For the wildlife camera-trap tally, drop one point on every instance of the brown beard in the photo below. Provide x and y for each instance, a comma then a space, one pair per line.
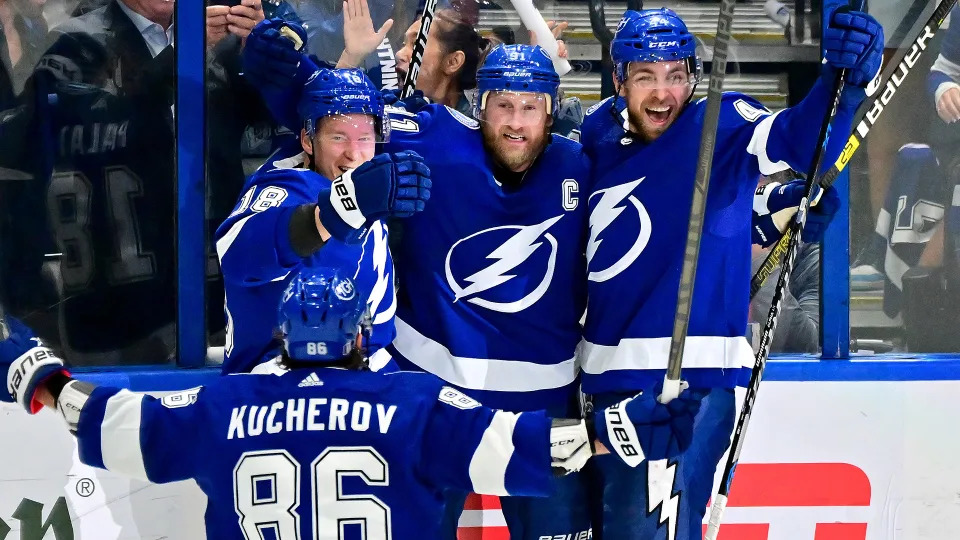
493, 142
637, 127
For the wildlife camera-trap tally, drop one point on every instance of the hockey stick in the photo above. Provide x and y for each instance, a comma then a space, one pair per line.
708, 139
531, 18
426, 20
760, 361
867, 115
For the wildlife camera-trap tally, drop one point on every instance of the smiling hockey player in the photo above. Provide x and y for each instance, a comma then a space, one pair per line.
644, 143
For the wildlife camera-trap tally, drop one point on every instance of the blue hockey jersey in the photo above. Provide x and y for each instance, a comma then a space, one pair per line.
491, 282
257, 260
319, 453
639, 211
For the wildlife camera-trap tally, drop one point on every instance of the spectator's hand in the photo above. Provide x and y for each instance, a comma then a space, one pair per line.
243, 17
557, 30
216, 24
359, 38
25, 363
949, 105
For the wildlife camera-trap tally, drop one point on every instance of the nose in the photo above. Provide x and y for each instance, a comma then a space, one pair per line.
661, 93
403, 56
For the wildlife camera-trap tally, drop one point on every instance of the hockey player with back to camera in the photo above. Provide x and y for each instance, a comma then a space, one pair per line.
644, 142
323, 204
326, 437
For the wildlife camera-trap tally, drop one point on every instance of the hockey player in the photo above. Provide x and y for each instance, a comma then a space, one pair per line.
291, 215
643, 142
328, 447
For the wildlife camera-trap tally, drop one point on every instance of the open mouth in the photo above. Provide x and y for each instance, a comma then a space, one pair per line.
510, 137
344, 169
659, 115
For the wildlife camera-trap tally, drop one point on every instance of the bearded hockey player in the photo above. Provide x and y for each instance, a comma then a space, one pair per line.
643, 142
327, 449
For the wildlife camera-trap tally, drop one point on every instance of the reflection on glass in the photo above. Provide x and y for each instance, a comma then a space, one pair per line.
88, 235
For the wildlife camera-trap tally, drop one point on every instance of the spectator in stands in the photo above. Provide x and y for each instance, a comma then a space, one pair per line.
23, 35
454, 50
798, 328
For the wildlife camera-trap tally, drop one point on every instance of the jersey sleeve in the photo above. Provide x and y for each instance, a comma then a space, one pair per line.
432, 127
254, 242
144, 437
945, 72
470, 447
770, 143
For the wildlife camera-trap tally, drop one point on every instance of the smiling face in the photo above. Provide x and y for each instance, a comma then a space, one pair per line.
515, 127
341, 143
656, 93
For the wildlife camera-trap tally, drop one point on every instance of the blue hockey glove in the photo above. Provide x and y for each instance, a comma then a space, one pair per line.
775, 205
416, 101
395, 185
821, 215
641, 427
854, 40
27, 362
277, 69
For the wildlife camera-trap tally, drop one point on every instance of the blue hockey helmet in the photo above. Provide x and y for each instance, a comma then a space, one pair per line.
320, 315
330, 92
517, 68
654, 35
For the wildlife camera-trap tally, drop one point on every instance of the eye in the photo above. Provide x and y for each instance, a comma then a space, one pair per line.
677, 78
338, 138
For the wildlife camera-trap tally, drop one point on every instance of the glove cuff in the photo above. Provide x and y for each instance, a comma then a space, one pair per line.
619, 434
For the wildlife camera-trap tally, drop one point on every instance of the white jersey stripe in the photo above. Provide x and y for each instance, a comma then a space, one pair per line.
120, 435
758, 146
224, 243
480, 373
652, 353
488, 468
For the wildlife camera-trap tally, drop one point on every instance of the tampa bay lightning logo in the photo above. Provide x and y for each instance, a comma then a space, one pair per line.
344, 290
481, 268
616, 202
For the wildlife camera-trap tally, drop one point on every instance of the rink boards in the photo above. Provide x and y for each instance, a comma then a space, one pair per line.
836, 450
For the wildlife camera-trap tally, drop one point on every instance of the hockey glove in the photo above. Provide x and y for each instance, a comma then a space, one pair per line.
413, 103
275, 67
775, 205
853, 40
27, 363
395, 185
641, 427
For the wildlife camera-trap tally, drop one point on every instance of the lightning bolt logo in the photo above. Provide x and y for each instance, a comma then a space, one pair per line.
506, 257
661, 475
381, 250
603, 214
